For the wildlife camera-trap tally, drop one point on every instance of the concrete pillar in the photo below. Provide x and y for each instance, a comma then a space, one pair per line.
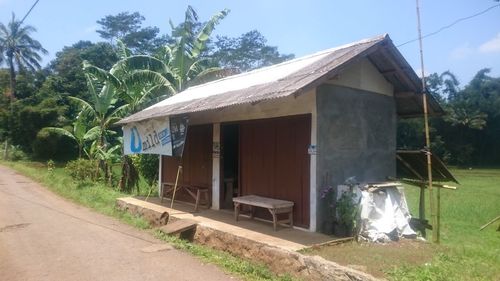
312, 171
216, 167
159, 174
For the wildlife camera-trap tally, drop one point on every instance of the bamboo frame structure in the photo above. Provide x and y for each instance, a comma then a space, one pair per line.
434, 213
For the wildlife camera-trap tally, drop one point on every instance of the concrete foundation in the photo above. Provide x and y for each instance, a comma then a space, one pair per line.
215, 230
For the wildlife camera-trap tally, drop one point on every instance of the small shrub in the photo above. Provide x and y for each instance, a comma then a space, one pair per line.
82, 169
16, 154
50, 166
147, 165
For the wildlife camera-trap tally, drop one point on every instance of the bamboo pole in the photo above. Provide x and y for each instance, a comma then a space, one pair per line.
435, 220
421, 209
490, 222
175, 186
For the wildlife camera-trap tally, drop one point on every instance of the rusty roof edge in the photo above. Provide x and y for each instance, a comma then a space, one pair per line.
143, 115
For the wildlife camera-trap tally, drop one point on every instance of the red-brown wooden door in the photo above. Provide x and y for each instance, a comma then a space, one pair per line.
274, 161
196, 161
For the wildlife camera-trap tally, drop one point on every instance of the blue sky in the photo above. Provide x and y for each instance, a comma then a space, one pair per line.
299, 27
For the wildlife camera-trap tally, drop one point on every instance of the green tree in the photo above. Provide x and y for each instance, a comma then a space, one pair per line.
135, 87
247, 52
127, 27
20, 50
80, 133
468, 133
180, 63
27, 119
183, 58
102, 108
66, 74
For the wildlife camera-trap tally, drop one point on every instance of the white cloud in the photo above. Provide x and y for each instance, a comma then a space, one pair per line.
491, 46
462, 52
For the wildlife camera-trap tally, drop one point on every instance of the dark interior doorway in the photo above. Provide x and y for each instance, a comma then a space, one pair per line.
230, 164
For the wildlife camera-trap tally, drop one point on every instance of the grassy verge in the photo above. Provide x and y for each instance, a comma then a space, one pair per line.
102, 199
242, 268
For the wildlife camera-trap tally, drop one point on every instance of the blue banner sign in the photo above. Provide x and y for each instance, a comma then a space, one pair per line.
148, 137
164, 136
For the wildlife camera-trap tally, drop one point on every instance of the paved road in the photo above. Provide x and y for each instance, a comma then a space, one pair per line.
45, 237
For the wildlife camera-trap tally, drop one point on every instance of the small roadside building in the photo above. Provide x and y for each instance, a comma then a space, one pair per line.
289, 130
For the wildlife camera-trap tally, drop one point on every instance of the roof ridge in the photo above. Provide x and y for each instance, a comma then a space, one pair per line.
362, 41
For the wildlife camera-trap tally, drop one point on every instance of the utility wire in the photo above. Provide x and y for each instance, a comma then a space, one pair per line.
450, 25
33, 6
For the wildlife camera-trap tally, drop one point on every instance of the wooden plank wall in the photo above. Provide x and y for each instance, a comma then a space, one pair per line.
196, 161
274, 161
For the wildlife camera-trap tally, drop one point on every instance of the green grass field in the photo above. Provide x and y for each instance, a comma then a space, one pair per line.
468, 254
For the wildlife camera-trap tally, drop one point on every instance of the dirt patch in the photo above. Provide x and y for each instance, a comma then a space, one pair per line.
376, 259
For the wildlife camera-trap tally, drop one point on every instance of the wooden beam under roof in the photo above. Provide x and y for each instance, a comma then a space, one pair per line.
398, 69
405, 94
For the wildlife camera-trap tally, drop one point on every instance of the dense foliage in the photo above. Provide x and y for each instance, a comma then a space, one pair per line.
469, 132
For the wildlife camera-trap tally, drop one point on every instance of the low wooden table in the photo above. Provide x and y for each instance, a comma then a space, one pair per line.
275, 207
194, 191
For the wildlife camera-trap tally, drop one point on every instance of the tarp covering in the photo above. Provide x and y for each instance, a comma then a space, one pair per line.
384, 215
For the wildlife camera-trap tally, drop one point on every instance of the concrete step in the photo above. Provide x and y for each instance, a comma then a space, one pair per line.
178, 226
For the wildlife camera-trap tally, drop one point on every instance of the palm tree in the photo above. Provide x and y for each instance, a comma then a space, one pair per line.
18, 49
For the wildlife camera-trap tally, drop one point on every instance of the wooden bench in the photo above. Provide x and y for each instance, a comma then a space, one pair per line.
194, 191
274, 206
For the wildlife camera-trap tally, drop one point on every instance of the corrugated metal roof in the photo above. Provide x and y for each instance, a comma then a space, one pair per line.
277, 81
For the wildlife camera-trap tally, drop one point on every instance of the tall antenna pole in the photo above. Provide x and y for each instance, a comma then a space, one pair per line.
435, 219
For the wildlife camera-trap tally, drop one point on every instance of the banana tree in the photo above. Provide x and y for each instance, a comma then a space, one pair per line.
184, 57
180, 63
134, 88
80, 133
109, 157
102, 109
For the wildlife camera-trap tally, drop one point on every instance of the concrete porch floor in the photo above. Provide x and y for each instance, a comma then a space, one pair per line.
291, 239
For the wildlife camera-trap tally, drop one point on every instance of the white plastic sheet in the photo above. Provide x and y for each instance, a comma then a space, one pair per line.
384, 214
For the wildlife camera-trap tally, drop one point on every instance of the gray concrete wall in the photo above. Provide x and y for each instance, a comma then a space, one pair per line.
356, 137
